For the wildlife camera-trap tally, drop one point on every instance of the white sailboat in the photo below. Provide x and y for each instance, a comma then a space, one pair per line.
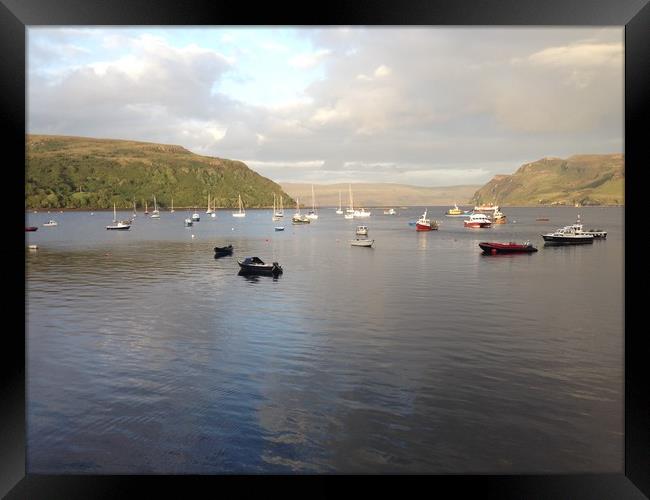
118, 225
146, 211
299, 218
275, 214
214, 210
172, 210
241, 212
340, 210
312, 213
156, 213
135, 214
279, 213
208, 211
349, 212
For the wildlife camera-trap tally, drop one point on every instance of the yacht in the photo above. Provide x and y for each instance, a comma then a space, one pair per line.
51, 223
312, 213
156, 213
299, 218
241, 212
340, 210
118, 225
362, 212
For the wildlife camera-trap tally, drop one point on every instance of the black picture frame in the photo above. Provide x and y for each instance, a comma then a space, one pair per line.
17, 15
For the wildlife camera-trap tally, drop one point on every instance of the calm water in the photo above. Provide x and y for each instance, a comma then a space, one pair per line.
420, 355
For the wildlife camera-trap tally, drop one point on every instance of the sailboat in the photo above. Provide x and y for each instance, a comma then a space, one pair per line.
208, 211
146, 212
340, 210
156, 213
172, 210
121, 225
312, 213
135, 214
349, 212
275, 213
279, 213
241, 212
299, 218
214, 210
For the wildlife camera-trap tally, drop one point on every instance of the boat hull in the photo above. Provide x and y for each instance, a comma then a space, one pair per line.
115, 228
423, 227
31, 228
361, 243
501, 248
478, 225
567, 240
272, 269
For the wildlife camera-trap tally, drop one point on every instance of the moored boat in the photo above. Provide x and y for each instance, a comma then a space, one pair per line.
567, 236
31, 228
51, 223
279, 228
361, 242
596, 233
221, 251
255, 265
478, 221
196, 217
362, 230
425, 224
510, 247
390, 211
499, 217
299, 218
455, 212
189, 222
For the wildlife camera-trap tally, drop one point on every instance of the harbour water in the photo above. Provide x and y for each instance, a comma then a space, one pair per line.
145, 354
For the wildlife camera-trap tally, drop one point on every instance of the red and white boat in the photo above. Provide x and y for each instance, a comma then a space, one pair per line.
424, 224
493, 248
478, 220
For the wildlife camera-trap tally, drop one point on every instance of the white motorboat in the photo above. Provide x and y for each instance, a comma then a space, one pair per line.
188, 222
478, 221
361, 242
196, 217
567, 236
51, 223
362, 230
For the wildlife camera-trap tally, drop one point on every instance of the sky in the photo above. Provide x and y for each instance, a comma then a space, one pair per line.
428, 106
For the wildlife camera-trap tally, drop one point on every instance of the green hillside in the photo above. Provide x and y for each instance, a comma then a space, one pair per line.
79, 172
583, 179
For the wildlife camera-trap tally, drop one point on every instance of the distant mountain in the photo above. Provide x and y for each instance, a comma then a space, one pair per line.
579, 179
379, 194
82, 172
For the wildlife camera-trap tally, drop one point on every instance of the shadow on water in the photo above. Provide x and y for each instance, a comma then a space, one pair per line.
256, 277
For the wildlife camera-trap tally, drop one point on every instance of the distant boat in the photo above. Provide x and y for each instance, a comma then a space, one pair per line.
567, 236
361, 242
146, 212
499, 217
478, 221
312, 213
279, 228
51, 223
222, 251
362, 212
390, 211
542, 219
118, 225
340, 210
362, 230
156, 213
241, 212
349, 212
135, 213
172, 209
31, 228
299, 218
188, 222
255, 265
196, 217
209, 211
511, 247
279, 213
489, 208
425, 224
455, 212
275, 216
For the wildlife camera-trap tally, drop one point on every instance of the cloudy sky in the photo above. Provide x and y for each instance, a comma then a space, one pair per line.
426, 106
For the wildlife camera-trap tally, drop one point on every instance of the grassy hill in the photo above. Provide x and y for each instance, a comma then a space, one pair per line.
379, 194
80, 172
583, 179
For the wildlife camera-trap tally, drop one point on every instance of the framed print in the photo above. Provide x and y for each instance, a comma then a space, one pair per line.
474, 329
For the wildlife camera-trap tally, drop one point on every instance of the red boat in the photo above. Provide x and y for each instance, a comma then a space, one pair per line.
424, 224
31, 228
511, 247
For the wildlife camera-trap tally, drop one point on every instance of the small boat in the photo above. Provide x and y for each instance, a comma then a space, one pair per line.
278, 214
424, 224
511, 247
156, 213
51, 223
255, 265
172, 209
279, 228
390, 211
340, 210
349, 212
32, 247
499, 217
299, 218
221, 251
122, 225
361, 242
241, 212
146, 211
209, 210
477, 221
542, 219
31, 228
454, 212
362, 212
189, 222
412, 222
196, 217
362, 230
567, 236
312, 213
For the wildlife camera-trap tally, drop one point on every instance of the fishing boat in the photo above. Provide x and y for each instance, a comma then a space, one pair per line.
51, 223
493, 248
340, 210
255, 265
499, 217
209, 210
390, 211
31, 228
122, 225
596, 233
478, 221
241, 212
299, 218
567, 236
425, 224
455, 212
189, 222
156, 213
312, 213
221, 251
361, 242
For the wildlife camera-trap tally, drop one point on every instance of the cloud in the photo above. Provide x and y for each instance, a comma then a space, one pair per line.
308, 60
